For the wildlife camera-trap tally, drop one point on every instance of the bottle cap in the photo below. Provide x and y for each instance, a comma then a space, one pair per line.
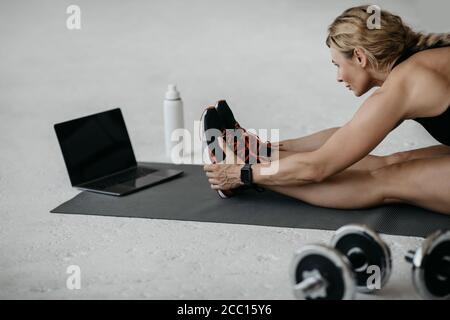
172, 92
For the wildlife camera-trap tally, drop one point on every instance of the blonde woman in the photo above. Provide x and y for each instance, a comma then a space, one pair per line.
333, 168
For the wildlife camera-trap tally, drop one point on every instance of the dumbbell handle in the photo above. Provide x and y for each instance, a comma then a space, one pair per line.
310, 286
409, 257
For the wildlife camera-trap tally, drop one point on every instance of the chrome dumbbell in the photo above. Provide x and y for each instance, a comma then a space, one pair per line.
339, 271
431, 266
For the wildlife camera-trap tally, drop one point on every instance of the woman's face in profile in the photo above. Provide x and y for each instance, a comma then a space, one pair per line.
351, 73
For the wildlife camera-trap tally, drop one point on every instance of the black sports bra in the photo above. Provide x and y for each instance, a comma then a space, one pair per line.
438, 126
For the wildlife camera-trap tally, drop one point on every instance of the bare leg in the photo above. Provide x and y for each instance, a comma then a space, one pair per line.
372, 162
369, 162
423, 182
337, 191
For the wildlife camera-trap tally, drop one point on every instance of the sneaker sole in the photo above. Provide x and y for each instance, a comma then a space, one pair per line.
224, 194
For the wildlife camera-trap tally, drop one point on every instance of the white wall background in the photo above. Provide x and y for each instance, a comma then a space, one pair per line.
267, 58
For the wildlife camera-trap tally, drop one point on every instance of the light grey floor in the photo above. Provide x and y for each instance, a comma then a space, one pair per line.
267, 58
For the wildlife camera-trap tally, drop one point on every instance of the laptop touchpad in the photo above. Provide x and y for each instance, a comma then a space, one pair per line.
142, 181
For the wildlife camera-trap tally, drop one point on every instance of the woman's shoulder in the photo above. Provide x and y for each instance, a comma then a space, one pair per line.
424, 84
431, 62
432, 57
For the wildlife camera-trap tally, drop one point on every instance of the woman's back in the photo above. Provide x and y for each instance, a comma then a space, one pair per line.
434, 64
437, 60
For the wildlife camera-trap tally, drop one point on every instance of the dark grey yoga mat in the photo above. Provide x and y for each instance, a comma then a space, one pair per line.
190, 198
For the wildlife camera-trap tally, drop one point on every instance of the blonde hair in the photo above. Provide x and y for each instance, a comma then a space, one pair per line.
393, 42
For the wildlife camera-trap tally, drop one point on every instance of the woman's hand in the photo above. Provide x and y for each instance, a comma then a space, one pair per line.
223, 176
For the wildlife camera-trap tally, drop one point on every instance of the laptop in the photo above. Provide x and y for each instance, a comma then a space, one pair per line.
99, 157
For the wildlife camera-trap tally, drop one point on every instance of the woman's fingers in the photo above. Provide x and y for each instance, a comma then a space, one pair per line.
210, 174
277, 146
210, 167
213, 181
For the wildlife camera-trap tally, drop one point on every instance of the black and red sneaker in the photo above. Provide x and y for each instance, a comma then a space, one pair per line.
226, 115
246, 145
213, 130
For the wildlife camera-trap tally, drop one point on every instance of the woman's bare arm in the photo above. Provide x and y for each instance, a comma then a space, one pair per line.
307, 143
378, 115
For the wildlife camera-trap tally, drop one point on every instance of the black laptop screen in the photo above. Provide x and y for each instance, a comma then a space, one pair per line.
95, 146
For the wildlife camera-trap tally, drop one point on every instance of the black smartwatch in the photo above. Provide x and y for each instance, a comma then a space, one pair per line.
246, 174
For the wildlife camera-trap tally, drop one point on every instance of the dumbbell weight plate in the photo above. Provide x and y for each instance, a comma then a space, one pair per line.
332, 266
431, 266
363, 247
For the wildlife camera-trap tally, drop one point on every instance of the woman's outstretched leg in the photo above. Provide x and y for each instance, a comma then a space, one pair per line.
369, 162
422, 182
349, 189
340, 190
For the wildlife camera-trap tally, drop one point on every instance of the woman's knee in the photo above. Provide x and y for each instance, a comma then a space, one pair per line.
423, 182
384, 180
370, 162
390, 172
397, 157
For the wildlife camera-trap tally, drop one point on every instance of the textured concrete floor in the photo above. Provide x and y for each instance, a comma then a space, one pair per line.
268, 59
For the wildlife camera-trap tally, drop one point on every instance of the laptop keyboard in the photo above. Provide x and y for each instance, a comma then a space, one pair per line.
121, 177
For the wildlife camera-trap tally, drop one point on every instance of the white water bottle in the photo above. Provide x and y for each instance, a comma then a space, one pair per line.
173, 116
